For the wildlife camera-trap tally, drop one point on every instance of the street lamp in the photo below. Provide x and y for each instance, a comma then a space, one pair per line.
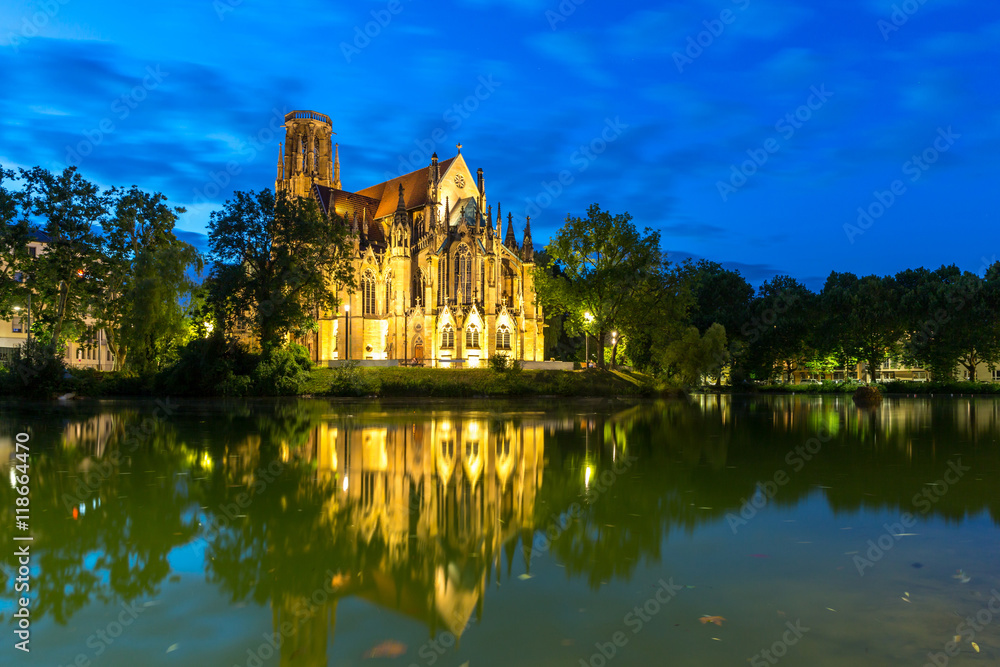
347, 332
586, 335
614, 341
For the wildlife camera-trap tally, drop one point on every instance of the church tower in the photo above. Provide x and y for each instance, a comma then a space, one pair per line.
307, 156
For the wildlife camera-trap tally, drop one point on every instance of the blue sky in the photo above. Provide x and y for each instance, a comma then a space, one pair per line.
748, 132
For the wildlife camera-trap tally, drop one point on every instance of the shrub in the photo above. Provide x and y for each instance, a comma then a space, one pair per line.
34, 369
502, 363
282, 371
867, 397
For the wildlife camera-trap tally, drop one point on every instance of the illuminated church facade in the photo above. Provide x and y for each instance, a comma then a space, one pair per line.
436, 283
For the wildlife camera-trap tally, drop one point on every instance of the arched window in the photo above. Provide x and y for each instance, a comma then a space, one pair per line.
503, 337
388, 292
448, 337
472, 337
442, 282
368, 293
463, 275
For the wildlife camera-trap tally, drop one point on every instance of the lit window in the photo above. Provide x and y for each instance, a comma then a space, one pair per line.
503, 337
15, 325
368, 293
472, 337
463, 275
448, 337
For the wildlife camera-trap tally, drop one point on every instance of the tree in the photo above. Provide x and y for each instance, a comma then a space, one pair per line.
865, 315
604, 264
143, 275
952, 319
276, 261
15, 234
721, 296
62, 278
779, 332
693, 355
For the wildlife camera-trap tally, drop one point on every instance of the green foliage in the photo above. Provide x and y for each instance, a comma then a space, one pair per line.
276, 260
864, 317
144, 279
778, 337
34, 369
63, 280
214, 367
503, 363
282, 371
598, 271
693, 356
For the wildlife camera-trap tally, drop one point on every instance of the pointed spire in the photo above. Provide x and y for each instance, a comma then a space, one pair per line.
447, 213
499, 220
489, 217
281, 163
401, 205
336, 166
510, 240
527, 250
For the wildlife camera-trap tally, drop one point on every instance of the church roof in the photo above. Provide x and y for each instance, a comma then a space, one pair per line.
345, 203
414, 190
349, 204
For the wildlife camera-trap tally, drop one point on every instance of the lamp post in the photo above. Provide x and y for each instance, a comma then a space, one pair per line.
586, 335
347, 333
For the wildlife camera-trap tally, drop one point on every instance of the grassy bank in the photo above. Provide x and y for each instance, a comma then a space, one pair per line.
895, 387
395, 382
418, 382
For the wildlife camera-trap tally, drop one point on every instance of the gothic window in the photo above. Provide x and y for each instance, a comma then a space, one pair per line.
302, 152
388, 292
368, 293
448, 337
503, 337
316, 156
472, 337
442, 282
463, 275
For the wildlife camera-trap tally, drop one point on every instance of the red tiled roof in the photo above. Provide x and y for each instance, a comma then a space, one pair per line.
414, 190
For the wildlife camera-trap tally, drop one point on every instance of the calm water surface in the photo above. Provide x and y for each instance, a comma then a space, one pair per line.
700, 532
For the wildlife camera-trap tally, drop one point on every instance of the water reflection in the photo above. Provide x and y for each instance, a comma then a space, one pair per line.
300, 505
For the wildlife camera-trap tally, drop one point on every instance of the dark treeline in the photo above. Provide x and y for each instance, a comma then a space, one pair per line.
602, 279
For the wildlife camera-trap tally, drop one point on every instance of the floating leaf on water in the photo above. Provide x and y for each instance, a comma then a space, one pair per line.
905, 599
957, 639
962, 577
712, 619
831, 609
173, 647
975, 646
390, 648
524, 577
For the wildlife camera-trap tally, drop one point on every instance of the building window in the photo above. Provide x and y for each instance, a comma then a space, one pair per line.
368, 293
79, 353
463, 275
388, 293
442, 282
996, 374
16, 326
32, 251
503, 337
448, 337
472, 337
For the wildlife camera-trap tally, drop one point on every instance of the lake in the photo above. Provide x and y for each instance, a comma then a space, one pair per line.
716, 530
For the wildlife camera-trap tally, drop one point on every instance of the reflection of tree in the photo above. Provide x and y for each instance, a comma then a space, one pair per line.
430, 514
106, 544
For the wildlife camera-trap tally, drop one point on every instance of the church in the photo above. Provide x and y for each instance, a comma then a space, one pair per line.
436, 282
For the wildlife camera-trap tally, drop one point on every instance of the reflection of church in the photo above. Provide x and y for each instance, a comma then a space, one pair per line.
435, 281
444, 497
